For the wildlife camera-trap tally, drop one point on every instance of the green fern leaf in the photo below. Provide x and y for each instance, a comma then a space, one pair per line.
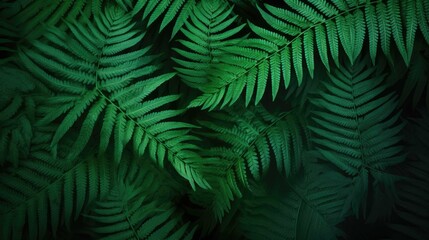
134, 208
261, 79
45, 187
208, 34
384, 28
106, 76
252, 141
178, 10
247, 155
356, 127
73, 115
332, 34
422, 19
297, 60
300, 210
393, 9
309, 52
17, 113
275, 66
295, 26
28, 16
286, 67
411, 28
372, 27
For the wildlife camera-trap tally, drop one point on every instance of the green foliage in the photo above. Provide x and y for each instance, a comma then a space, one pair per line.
417, 77
356, 128
214, 119
299, 210
93, 76
44, 191
17, 112
289, 43
178, 10
249, 140
253, 135
414, 195
137, 207
207, 35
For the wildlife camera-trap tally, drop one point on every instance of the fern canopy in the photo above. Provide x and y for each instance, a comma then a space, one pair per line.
214, 119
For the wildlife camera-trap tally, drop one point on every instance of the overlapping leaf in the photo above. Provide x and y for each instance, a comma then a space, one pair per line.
252, 141
304, 208
99, 77
253, 135
168, 10
297, 32
356, 128
207, 32
17, 110
44, 193
135, 208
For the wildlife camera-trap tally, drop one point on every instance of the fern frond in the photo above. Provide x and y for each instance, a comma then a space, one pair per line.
413, 194
252, 140
217, 201
177, 10
254, 136
356, 127
422, 16
97, 65
135, 208
9, 36
393, 10
301, 209
27, 15
411, 27
207, 32
17, 113
49, 192
347, 24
